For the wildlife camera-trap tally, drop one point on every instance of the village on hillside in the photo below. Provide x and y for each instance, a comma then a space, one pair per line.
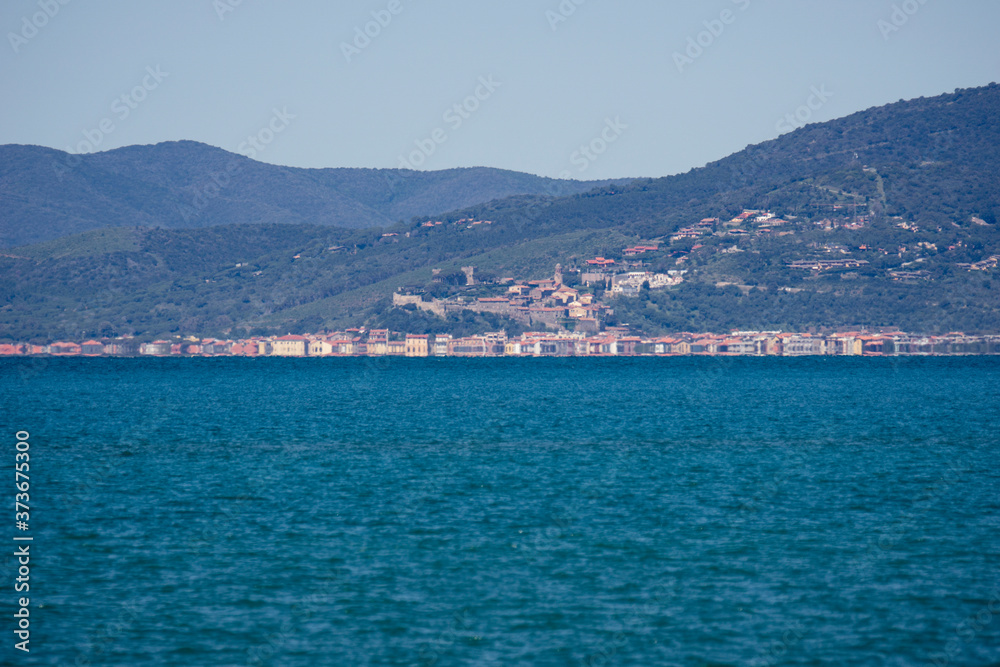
565, 315
549, 303
571, 299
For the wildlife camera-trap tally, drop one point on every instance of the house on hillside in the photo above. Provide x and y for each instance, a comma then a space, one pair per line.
548, 317
565, 294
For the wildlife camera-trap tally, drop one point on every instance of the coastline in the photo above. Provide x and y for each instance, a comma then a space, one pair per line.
379, 343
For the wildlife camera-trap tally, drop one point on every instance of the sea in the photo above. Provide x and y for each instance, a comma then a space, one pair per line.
589, 512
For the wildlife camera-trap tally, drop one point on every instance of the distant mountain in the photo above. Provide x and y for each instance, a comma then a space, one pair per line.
911, 191
46, 193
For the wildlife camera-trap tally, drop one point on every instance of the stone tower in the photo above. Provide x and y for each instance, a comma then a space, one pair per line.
558, 277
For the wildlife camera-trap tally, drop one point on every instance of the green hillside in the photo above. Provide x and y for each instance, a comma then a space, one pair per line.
909, 191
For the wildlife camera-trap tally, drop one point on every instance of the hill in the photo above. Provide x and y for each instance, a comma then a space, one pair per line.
48, 194
908, 192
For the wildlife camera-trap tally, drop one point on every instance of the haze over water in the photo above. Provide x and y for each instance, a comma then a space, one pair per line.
512, 511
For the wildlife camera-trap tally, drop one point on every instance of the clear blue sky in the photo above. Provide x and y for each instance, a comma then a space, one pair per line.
222, 75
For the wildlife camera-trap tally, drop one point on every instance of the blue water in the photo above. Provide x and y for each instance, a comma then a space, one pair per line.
511, 511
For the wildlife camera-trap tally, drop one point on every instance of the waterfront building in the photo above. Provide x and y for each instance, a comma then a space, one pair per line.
417, 345
289, 346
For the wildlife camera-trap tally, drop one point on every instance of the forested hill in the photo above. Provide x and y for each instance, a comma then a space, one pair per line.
935, 161
47, 194
908, 192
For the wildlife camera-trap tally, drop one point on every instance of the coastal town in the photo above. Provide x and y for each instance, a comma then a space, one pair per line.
550, 303
613, 342
579, 297
569, 314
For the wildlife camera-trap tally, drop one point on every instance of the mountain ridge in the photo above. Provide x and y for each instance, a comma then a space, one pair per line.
185, 184
910, 190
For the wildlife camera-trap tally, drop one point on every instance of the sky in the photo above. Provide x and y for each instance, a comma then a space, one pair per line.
584, 89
